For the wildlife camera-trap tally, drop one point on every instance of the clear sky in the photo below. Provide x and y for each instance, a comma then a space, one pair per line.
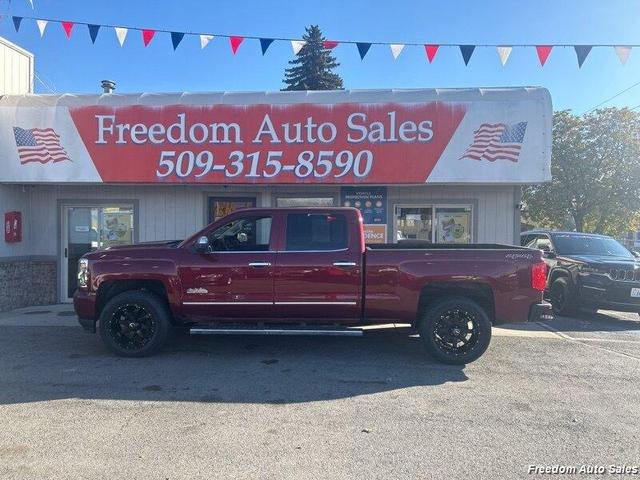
78, 66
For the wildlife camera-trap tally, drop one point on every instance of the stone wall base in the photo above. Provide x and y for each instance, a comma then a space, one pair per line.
25, 283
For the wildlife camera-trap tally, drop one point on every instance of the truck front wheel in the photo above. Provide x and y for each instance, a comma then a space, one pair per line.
455, 330
134, 324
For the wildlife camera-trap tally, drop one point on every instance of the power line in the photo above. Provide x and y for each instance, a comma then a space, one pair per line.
611, 98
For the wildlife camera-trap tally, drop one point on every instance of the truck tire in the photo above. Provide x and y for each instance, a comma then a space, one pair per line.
455, 330
562, 298
135, 323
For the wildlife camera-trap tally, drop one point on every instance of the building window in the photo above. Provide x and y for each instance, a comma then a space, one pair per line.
434, 223
222, 206
304, 202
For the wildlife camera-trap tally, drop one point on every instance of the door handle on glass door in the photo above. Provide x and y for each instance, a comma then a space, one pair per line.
344, 264
260, 264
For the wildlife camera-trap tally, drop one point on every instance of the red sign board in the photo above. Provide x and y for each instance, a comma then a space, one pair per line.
13, 227
345, 143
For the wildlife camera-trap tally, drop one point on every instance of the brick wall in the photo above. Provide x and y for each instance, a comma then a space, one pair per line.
26, 283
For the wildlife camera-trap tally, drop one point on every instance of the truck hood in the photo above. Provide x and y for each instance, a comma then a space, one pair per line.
130, 250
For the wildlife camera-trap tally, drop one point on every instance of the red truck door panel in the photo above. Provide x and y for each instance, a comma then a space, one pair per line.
318, 270
234, 278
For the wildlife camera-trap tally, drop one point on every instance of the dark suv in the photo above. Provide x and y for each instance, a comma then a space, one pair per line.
587, 270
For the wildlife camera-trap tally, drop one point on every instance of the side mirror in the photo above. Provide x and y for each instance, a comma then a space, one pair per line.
202, 244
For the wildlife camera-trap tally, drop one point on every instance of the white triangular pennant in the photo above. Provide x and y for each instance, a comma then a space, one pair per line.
42, 24
31, 3
297, 45
204, 40
623, 53
121, 33
503, 53
396, 49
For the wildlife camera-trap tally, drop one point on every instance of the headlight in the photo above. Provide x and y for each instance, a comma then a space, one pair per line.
83, 273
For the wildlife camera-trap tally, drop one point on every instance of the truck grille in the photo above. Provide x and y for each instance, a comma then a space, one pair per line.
625, 275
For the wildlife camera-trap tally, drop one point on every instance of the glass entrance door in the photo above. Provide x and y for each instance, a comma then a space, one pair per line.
88, 228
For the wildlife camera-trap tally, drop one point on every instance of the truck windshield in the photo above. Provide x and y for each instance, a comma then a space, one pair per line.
588, 245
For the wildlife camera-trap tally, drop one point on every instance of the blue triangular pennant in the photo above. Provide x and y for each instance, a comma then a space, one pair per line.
581, 52
16, 23
93, 32
176, 38
467, 51
363, 48
264, 44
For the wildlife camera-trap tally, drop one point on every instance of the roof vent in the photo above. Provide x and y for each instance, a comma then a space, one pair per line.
108, 86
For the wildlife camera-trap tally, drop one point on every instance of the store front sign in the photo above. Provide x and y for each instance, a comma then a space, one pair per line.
372, 203
263, 143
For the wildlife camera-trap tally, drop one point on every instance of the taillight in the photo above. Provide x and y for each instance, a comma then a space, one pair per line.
539, 276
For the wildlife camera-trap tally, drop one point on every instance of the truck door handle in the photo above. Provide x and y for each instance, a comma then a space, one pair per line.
344, 264
260, 264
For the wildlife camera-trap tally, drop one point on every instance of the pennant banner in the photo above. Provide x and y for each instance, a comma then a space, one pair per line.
265, 43
467, 51
42, 24
121, 33
543, 53
204, 40
581, 52
296, 46
431, 51
623, 53
503, 53
16, 23
147, 36
68, 27
363, 48
176, 38
93, 32
235, 43
396, 49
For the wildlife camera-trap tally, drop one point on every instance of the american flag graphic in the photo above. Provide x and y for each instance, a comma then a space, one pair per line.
39, 145
497, 141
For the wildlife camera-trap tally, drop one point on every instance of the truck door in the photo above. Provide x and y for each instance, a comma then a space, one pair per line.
234, 277
318, 270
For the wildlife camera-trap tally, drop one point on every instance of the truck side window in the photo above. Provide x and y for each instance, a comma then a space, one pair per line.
316, 232
242, 235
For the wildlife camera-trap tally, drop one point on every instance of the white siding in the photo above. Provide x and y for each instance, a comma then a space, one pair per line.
16, 69
174, 212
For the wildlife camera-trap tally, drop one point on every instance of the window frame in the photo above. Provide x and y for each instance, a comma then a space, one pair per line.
434, 208
286, 226
269, 249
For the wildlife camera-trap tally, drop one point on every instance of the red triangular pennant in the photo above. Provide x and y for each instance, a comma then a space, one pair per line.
147, 36
68, 26
543, 53
431, 51
329, 44
235, 43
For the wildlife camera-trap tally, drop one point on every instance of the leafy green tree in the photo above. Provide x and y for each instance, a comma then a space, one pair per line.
595, 168
312, 67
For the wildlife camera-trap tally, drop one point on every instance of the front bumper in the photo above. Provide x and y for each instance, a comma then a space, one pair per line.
610, 295
539, 312
84, 303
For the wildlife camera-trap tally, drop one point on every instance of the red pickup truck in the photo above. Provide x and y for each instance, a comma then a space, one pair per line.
306, 271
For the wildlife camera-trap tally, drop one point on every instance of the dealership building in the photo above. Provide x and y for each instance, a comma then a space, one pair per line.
82, 172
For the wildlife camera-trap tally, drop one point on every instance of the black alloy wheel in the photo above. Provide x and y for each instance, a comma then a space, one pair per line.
132, 326
455, 330
135, 323
561, 297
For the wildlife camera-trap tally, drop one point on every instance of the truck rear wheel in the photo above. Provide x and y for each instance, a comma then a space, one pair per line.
134, 324
455, 330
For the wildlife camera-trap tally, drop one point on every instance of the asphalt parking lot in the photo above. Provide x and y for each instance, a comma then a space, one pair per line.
561, 393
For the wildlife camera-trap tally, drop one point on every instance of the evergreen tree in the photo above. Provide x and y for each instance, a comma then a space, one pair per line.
312, 67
